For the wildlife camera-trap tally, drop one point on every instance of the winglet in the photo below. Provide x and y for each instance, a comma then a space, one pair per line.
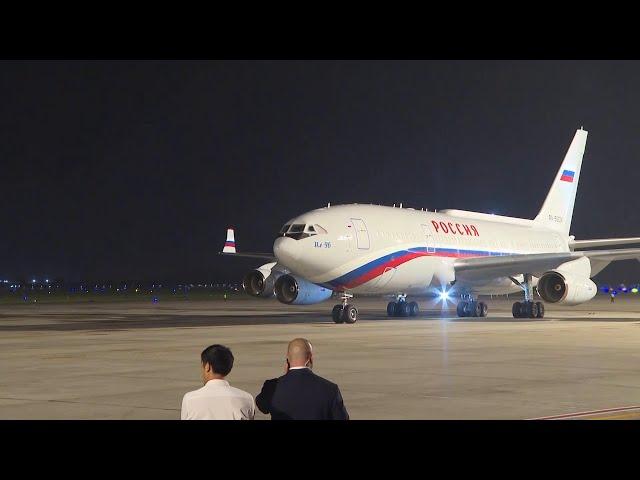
230, 244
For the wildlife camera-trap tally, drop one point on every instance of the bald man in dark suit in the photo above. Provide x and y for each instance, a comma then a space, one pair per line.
300, 394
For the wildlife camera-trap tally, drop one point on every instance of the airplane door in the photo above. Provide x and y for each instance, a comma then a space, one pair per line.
431, 248
362, 234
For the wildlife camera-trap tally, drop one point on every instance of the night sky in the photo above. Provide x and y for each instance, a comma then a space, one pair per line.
134, 169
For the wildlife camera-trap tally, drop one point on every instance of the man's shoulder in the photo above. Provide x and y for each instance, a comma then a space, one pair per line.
311, 376
270, 385
193, 393
240, 393
326, 382
229, 390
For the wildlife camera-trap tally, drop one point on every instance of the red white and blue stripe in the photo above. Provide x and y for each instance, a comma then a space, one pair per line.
375, 268
567, 176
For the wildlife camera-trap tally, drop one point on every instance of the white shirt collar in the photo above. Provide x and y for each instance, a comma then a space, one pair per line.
297, 368
217, 382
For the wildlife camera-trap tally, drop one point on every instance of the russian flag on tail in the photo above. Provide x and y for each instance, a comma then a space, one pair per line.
567, 176
230, 244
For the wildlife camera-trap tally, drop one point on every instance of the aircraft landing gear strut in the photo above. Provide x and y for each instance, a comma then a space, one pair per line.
470, 307
402, 308
345, 313
528, 308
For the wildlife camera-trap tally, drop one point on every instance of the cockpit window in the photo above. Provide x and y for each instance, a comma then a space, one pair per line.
299, 231
285, 228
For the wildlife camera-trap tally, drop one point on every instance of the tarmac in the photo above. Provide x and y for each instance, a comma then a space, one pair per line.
136, 360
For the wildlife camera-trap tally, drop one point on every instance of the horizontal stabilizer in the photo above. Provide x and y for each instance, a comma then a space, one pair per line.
603, 242
230, 249
268, 256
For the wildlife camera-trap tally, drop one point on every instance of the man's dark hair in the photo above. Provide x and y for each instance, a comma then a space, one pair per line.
219, 358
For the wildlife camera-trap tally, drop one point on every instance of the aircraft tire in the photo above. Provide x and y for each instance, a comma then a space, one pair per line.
484, 309
540, 309
460, 309
532, 309
391, 309
336, 314
403, 309
516, 310
350, 314
414, 309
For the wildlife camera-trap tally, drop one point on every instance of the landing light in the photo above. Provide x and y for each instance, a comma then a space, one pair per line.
444, 295
634, 290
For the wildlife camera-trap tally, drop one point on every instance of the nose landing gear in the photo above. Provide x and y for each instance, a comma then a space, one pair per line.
345, 313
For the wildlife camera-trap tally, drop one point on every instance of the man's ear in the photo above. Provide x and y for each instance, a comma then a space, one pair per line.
207, 367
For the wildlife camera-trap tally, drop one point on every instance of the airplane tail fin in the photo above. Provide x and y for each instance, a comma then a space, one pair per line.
557, 209
230, 244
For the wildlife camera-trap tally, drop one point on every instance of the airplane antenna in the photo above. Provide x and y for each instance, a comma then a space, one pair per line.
400, 204
328, 204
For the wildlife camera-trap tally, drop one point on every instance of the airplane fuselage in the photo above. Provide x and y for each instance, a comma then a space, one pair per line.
371, 249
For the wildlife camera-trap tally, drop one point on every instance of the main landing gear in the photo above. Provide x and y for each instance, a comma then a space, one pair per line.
345, 313
528, 308
402, 308
471, 308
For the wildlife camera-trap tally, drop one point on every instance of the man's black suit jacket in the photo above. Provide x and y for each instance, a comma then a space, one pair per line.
301, 395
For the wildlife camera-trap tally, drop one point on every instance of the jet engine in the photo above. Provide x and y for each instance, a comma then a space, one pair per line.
298, 291
563, 287
260, 282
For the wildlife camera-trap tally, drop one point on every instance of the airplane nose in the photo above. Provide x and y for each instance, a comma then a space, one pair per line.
287, 251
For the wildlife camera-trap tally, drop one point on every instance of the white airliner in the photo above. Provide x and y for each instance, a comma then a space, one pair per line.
402, 252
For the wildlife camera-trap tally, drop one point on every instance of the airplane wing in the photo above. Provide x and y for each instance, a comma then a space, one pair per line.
268, 256
603, 242
536, 263
230, 249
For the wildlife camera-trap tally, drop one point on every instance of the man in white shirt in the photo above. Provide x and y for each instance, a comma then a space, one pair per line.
217, 400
